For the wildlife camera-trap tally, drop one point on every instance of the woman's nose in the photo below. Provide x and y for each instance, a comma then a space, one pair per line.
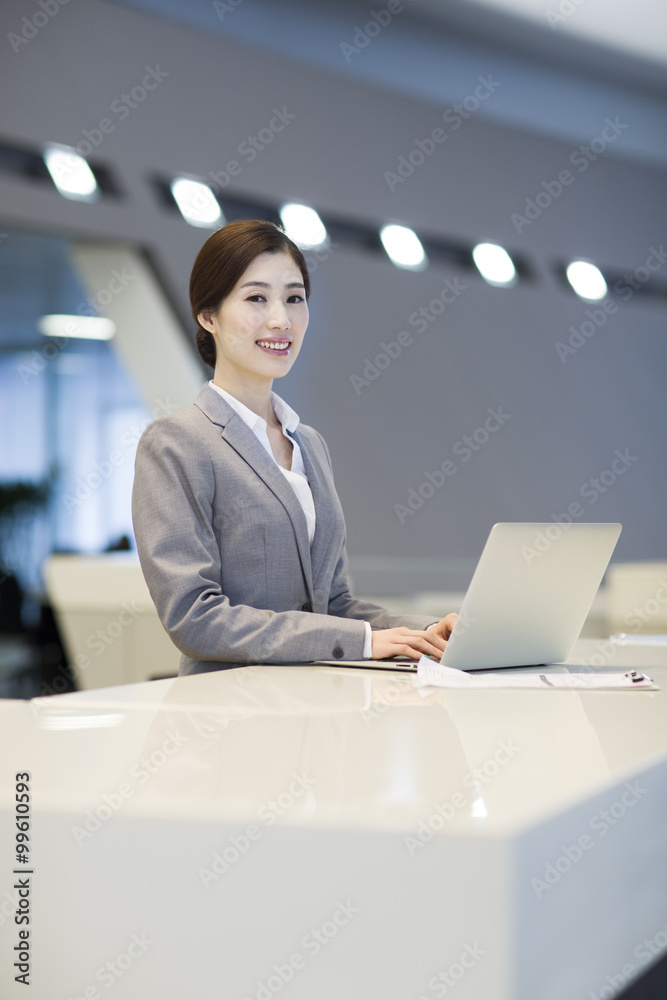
278, 317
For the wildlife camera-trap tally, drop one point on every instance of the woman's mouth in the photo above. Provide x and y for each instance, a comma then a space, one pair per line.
279, 347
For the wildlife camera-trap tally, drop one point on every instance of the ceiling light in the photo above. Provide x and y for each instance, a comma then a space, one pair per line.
587, 281
83, 327
197, 203
403, 247
71, 173
304, 226
494, 264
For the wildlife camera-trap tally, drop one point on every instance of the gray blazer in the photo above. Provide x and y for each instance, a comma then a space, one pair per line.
223, 545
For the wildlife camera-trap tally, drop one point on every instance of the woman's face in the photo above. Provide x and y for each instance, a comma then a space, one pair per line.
260, 325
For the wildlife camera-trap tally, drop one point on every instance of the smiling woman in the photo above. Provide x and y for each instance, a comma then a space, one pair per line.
265, 313
239, 528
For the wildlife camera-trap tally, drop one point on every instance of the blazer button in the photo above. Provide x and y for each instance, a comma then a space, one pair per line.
337, 652
307, 606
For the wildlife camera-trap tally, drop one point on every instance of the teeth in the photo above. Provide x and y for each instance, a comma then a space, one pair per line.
274, 347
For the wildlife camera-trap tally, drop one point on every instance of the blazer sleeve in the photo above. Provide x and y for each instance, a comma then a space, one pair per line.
172, 508
344, 605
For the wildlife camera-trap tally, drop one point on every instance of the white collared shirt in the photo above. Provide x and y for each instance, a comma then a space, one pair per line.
296, 476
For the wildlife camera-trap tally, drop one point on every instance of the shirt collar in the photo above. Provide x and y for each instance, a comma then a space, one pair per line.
288, 417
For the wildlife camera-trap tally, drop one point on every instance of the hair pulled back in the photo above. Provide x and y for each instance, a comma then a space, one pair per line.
222, 260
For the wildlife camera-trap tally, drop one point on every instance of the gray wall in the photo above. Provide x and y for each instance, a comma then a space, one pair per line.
490, 347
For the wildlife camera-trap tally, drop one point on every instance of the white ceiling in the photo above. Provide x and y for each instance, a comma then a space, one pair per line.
607, 57
616, 39
638, 28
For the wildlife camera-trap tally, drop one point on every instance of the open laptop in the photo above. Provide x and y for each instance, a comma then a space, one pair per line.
528, 599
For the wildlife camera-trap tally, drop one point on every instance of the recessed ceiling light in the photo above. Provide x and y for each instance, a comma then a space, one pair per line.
71, 174
587, 280
82, 327
304, 226
403, 247
197, 203
494, 264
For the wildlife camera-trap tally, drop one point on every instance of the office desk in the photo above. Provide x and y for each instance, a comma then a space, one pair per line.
323, 833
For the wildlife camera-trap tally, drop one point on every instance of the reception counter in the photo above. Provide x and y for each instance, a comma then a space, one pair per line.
327, 833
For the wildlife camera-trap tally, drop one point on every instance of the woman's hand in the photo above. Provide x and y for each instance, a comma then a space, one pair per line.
444, 627
410, 642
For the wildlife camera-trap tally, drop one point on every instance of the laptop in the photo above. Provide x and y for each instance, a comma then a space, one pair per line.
528, 598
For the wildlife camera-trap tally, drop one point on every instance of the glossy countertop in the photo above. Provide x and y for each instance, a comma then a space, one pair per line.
331, 832
337, 747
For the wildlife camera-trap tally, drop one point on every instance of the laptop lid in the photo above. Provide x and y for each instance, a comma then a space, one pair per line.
530, 594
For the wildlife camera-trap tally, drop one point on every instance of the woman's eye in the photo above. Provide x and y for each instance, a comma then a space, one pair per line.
292, 300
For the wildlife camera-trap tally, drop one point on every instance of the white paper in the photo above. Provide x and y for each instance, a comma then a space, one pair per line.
625, 639
435, 675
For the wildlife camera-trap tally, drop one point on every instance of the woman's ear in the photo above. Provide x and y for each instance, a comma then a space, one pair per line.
205, 320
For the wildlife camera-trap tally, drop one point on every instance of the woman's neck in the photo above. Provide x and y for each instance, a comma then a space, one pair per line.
256, 396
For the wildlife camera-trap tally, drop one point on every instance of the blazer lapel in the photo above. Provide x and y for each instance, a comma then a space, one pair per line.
240, 437
324, 508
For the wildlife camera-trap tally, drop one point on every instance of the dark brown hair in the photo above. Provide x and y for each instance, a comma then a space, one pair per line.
224, 258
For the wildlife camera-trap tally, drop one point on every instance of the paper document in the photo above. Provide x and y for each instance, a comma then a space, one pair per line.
623, 639
433, 674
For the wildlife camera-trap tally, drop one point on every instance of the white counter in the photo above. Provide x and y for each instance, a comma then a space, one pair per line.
333, 834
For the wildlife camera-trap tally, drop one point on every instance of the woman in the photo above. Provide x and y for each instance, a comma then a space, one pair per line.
239, 529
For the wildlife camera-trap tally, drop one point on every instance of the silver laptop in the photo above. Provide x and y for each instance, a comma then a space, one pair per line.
528, 599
